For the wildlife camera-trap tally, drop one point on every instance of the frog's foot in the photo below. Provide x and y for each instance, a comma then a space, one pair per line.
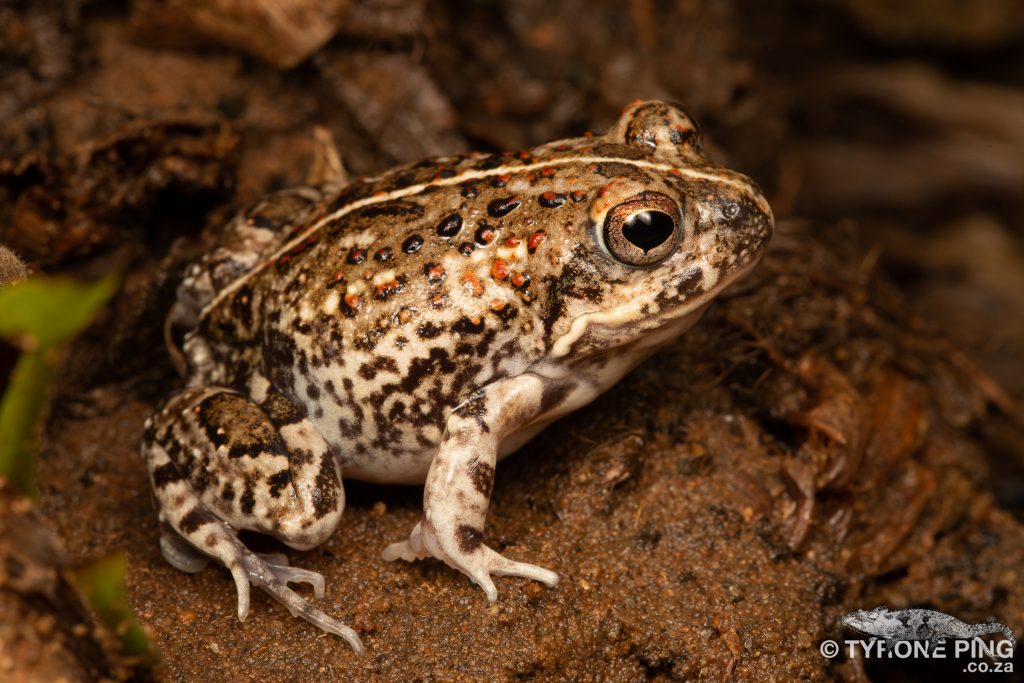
220, 462
465, 552
249, 568
285, 573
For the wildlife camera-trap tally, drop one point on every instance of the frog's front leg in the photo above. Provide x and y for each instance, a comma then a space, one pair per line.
219, 462
458, 486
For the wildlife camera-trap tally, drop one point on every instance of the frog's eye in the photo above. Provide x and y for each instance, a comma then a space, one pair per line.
643, 230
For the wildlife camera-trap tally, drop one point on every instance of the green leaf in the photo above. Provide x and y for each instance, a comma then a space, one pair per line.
48, 311
40, 313
102, 583
20, 410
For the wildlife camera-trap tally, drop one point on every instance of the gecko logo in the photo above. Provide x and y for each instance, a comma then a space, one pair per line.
925, 633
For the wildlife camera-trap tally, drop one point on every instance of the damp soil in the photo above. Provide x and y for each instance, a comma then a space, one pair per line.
841, 430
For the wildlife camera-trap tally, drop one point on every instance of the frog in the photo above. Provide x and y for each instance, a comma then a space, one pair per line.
420, 325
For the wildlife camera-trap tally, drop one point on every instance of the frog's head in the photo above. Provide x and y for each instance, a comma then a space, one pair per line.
665, 233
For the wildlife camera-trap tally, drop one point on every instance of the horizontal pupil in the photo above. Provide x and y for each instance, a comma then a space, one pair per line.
648, 229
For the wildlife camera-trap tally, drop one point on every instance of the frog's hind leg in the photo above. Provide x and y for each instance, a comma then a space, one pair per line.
219, 462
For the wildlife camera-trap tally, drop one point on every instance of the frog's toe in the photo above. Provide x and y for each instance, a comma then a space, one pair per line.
485, 562
241, 578
502, 566
409, 550
272, 579
279, 567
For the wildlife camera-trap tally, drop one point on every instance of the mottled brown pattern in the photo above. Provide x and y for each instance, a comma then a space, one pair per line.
432, 315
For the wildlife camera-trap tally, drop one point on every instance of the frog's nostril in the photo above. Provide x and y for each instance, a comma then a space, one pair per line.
648, 229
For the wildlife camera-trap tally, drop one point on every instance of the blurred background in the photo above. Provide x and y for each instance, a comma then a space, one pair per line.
893, 131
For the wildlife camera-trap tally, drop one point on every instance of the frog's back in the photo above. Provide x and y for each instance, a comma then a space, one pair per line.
389, 302
381, 311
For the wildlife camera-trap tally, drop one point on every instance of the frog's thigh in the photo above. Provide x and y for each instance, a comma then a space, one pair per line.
219, 462
259, 467
458, 488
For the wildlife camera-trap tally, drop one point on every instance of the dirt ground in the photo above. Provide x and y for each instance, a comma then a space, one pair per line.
843, 429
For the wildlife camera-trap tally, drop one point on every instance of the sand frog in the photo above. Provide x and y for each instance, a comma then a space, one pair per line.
418, 326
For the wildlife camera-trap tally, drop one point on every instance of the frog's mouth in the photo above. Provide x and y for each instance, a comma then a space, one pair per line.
627, 323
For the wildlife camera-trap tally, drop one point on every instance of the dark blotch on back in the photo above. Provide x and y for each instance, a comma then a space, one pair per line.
504, 206
429, 330
466, 325
450, 225
392, 208
355, 256
412, 245
551, 200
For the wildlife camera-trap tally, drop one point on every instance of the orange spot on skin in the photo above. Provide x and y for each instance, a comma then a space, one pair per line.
534, 241
472, 283
439, 300
512, 242
518, 279
499, 269
435, 273
379, 193
676, 171
548, 172
352, 301
498, 305
387, 287
404, 315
